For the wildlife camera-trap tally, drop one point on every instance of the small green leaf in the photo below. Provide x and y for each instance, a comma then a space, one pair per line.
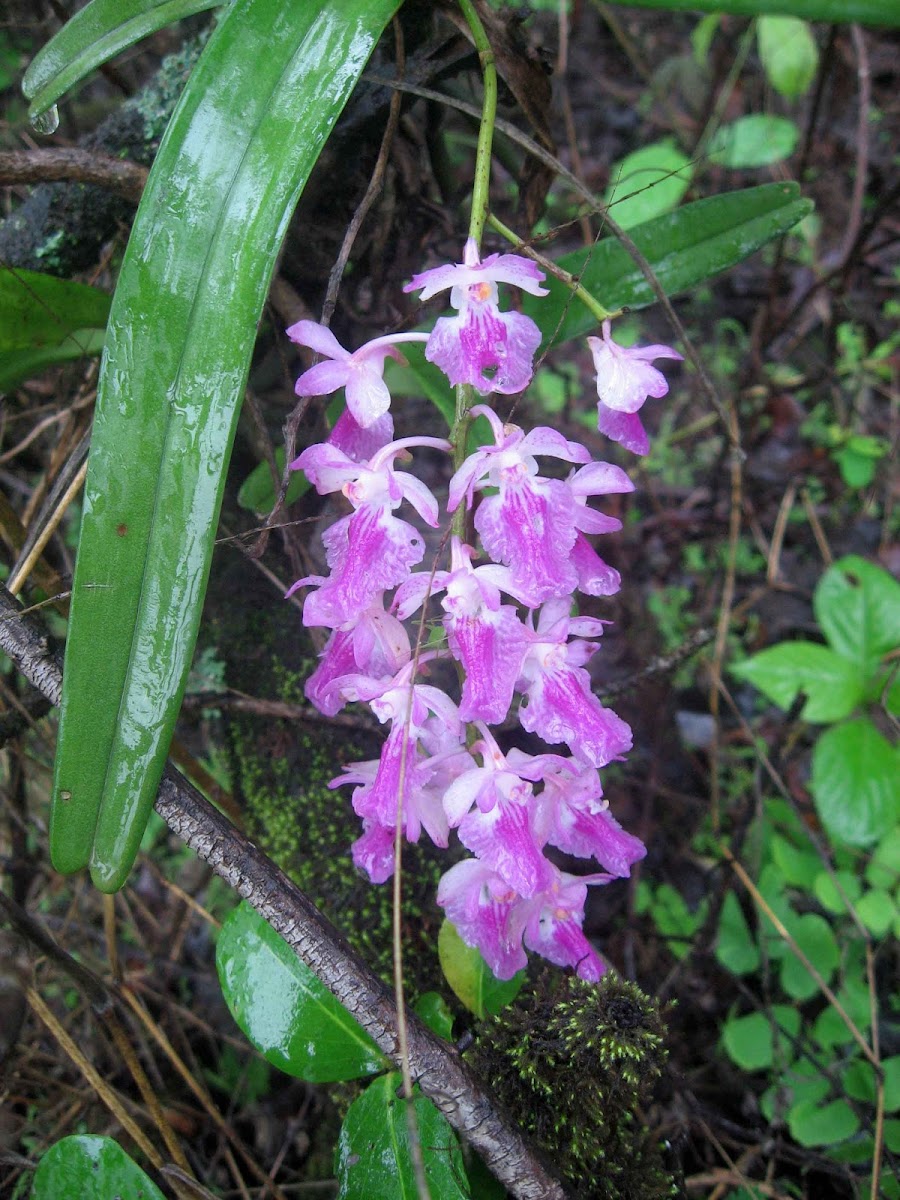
832, 685
702, 35
857, 470
284, 1010
736, 947
799, 868
257, 492
754, 141
830, 1029
814, 1124
648, 183
91, 1168
435, 1012
95, 34
877, 911
826, 892
816, 940
883, 869
891, 1068
788, 52
750, 1041
856, 783
471, 978
857, 604
373, 1161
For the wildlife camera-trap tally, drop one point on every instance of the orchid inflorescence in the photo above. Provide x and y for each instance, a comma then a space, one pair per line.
507, 621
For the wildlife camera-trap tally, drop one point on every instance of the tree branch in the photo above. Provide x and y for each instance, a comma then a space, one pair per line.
74, 165
435, 1065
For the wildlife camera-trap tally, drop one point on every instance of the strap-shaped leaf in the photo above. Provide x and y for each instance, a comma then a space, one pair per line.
866, 12
97, 33
250, 124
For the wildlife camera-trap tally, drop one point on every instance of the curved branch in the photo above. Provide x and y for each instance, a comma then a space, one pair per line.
436, 1066
74, 165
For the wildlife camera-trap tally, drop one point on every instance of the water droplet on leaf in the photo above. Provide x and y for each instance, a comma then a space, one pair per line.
47, 121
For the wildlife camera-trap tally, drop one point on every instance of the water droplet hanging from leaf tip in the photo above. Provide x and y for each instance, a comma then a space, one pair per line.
46, 122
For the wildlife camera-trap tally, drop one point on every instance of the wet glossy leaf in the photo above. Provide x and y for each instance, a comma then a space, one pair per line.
857, 604
648, 183
373, 1160
788, 52
95, 34
91, 1168
254, 115
754, 141
856, 783
833, 686
471, 978
284, 1010
867, 12
685, 247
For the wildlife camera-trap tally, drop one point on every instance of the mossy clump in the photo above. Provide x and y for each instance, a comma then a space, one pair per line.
575, 1063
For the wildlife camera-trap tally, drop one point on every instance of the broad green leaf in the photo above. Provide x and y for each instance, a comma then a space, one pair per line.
750, 1041
857, 604
18, 365
253, 117
284, 1010
684, 248
816, 1124
866, 12
257, 492
91, 1168
736, 947
788, 52
94, 35
754, 141
856, 783
648, 183
832, 685
41, 310
816, 939
470, 977
373, 1161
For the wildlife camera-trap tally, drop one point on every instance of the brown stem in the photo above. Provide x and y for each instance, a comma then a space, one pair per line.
74, 165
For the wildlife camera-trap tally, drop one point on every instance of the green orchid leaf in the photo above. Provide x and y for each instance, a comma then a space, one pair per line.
471, 978
95, 34
284, 1010
373, 1160
865, 12
684, 248
253, 117
833, 686
92, 1168
857, 604
856, 783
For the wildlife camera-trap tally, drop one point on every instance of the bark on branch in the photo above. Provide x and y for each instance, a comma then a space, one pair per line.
74, 165
436, 1066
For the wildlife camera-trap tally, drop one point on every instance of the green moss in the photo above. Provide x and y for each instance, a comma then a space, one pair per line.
575, 1063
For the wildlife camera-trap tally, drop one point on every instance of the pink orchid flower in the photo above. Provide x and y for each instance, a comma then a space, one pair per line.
482, 339
625, 379
361, 373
